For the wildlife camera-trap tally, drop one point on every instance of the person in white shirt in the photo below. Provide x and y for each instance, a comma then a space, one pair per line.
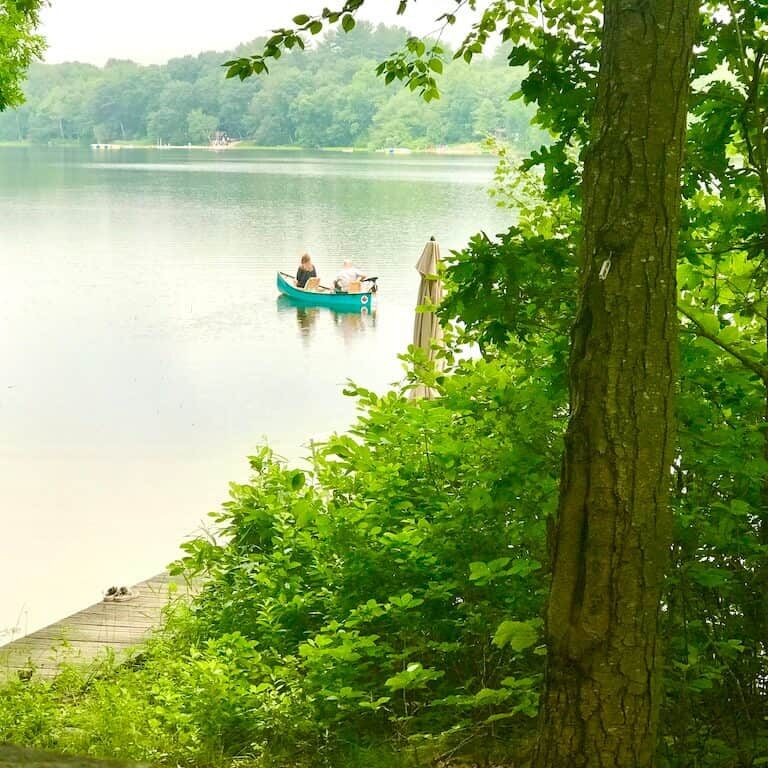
347, 274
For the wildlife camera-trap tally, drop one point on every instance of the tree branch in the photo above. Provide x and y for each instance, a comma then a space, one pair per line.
753, 365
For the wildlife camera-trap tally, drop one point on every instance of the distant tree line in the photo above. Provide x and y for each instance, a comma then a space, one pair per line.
325, 97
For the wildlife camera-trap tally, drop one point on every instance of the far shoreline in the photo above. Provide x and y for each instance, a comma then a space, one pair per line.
465, 149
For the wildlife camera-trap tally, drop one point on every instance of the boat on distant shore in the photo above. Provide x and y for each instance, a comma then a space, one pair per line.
327, 297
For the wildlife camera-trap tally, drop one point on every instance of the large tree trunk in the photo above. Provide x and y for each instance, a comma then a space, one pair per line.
613, 531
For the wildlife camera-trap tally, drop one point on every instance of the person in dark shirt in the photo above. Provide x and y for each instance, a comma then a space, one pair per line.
305, 271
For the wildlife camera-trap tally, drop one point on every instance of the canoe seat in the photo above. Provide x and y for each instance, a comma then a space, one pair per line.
355, 286
312, 284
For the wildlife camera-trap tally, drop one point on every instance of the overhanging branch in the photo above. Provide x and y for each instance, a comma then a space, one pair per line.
753, 365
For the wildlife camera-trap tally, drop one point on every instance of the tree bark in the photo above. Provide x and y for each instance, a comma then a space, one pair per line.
611, 540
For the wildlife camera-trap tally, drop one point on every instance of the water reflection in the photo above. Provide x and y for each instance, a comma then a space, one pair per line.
349, 324
306, 318
170, 297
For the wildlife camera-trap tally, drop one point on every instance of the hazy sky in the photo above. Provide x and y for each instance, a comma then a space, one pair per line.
152, 31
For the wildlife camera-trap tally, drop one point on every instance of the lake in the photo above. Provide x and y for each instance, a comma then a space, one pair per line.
144, 351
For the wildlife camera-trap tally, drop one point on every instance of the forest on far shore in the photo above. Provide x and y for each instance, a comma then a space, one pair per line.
328, 96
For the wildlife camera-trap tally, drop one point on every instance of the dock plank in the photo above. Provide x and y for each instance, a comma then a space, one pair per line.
87, 634
19, 757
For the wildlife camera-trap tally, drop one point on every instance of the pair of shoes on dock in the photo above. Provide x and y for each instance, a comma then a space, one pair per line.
119, 594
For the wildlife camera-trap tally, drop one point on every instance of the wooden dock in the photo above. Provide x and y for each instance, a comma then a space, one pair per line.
18, 757
82, 637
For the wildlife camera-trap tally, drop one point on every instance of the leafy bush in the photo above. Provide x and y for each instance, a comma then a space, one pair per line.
390, 592
383, 573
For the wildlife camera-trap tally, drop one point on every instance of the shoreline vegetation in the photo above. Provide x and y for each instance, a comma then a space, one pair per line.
473, 148
306, 646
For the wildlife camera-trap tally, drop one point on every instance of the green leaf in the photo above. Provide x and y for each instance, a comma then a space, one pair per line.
301, 19
709, 323
303, 512
518, 635
500, 716
709, 576
478, 571
414, 676
436, 65
348, 22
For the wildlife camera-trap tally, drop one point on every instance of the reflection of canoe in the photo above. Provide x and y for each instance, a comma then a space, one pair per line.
286, 303
340, 301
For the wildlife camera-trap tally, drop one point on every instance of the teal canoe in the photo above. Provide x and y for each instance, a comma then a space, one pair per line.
342, 301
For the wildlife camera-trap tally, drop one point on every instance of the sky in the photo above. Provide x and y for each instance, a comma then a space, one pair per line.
153, 31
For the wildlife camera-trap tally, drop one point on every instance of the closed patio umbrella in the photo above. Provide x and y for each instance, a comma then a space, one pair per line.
426, 327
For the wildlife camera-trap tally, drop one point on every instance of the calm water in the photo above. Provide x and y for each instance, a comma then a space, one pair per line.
144, 351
